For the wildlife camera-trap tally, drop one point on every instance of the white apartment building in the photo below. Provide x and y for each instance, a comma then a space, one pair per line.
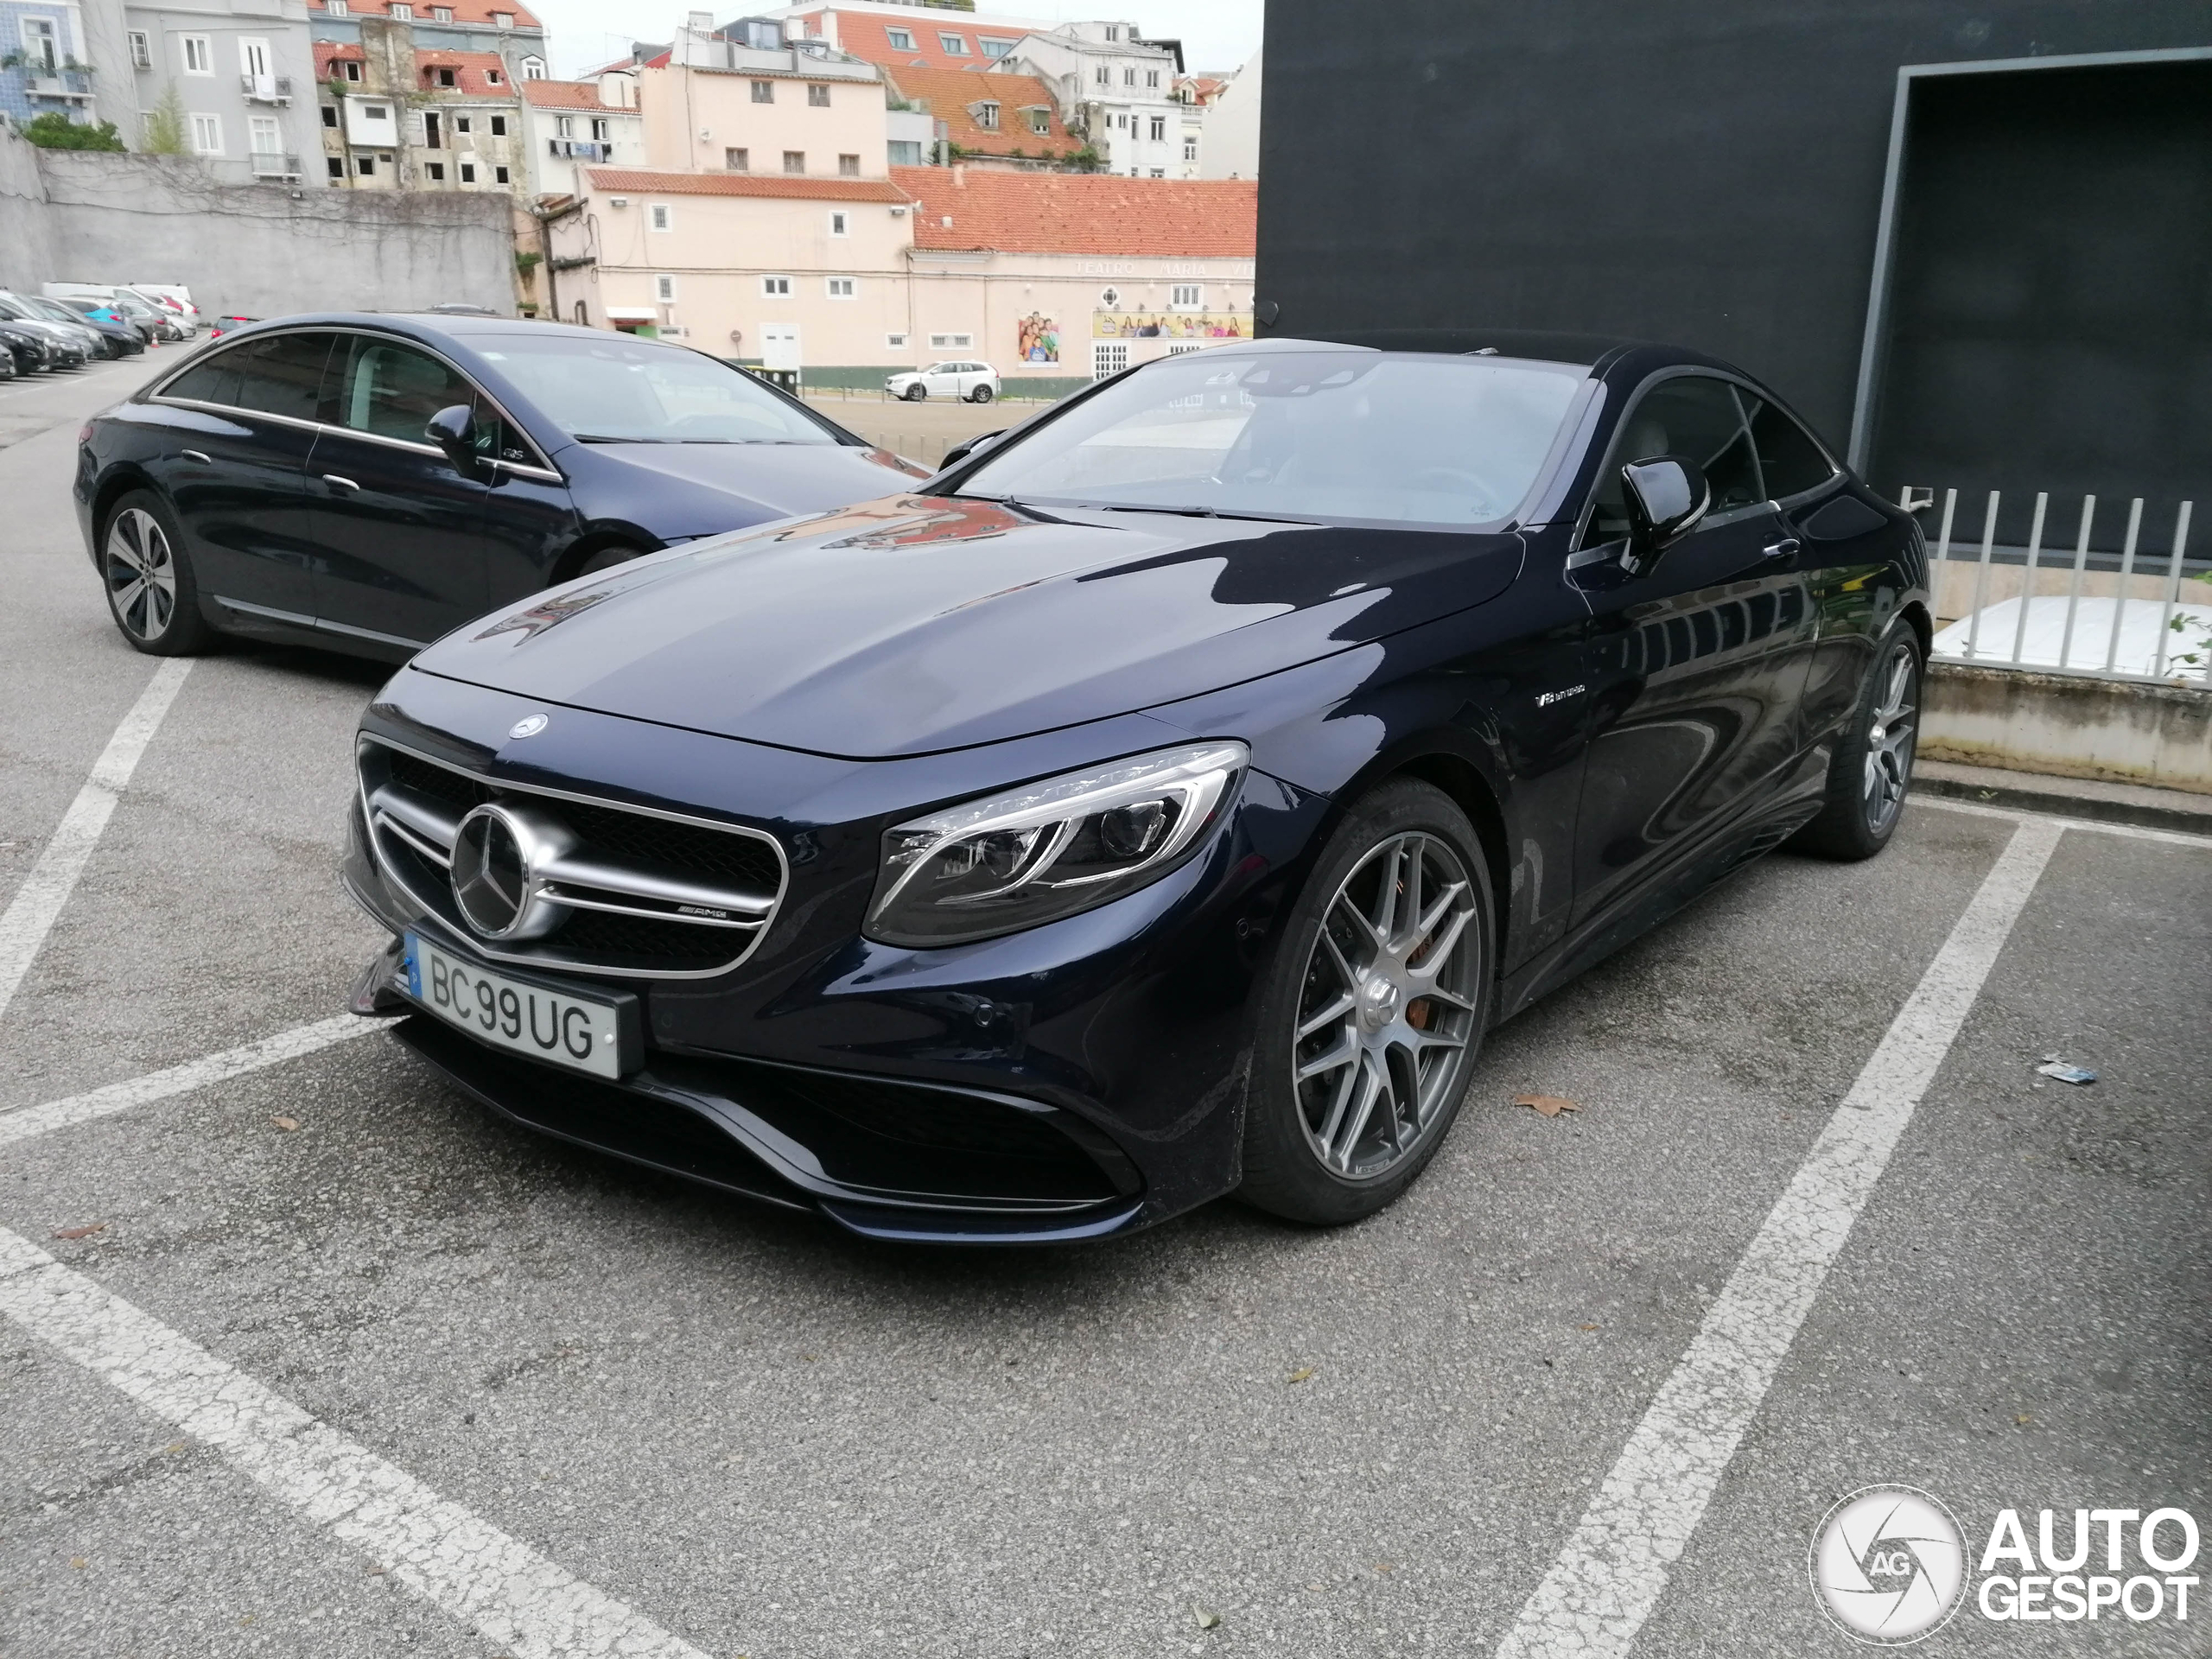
1118, 89
569, 125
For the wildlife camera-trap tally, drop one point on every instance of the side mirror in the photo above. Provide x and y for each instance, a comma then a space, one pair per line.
1667, 496
976, 445
454, 430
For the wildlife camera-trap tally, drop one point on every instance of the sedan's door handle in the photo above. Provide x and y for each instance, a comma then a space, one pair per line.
194, 454
1783, 548
338, 483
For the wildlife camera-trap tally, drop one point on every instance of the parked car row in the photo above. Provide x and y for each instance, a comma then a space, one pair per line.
158, 312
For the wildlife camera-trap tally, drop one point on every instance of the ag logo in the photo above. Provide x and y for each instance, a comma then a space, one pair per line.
1888, 1564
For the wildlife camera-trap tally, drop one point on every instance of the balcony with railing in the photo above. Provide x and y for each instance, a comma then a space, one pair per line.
266, 89
274, 164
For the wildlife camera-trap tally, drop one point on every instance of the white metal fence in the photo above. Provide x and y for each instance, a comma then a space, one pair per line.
2053, 612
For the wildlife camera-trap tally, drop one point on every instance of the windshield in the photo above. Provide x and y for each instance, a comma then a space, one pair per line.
1306, 434
12, 306
619, 390
50, 309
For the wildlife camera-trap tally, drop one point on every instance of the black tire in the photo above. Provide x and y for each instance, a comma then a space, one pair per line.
605, 558
915, 393
1287, 1172
981, 395
1872, 770
152, 594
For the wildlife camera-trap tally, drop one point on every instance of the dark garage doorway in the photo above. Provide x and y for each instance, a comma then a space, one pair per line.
2049, 323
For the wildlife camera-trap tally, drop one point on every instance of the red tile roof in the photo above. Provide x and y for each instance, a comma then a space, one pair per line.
951, 95
744, 184
864, 34
471, 69
464, 11
567, 95
1082, 212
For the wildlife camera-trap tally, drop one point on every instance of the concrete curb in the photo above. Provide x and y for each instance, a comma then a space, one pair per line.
2058, 800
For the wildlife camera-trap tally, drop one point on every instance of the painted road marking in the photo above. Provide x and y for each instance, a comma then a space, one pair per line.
506, 1591
2021, 815
1613, 1569
25, 1121
30, 915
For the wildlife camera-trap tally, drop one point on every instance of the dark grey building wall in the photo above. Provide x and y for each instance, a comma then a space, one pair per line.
1709, 174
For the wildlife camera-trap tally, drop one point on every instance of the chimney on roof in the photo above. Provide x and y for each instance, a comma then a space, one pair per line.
959, 176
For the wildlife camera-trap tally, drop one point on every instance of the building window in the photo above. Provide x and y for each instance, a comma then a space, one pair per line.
446, 78
498, 126
352, 70
1159, 129
1159, 172
1190, 149
901, 40
336, 165
895, 342
1128, 77
436, 170
532, 69
840, 224
330, 115
665, 289
503, 20
661, 216
490, 78
1103, 76
442, 14
840, 288
1040, 120
794, 161
366, 166
462, 123
199, 54
601, 126
1107, 358
336, 9
1152, 77
994, 48
952, 342
738, 159
818, 96
953, 46
468, 172
401, 14
142, 50
848, 166
904, 152
1113, 31
764, 92
499, 175
565, 127
986, 117
207, 135
775, 288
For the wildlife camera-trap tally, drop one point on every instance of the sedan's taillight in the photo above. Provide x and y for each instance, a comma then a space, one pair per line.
84, 433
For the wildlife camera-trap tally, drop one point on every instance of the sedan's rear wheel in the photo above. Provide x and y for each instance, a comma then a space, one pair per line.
151, 591
1374, 1011
1873, 766
981, 395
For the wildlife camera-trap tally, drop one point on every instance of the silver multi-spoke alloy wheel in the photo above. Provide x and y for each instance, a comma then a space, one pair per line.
141, 573
1889, 738
1387, 1009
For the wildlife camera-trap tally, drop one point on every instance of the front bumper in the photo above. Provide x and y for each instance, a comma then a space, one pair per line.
1074, 1081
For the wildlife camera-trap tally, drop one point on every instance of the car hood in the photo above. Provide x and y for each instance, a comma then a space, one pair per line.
721, 484
914, 624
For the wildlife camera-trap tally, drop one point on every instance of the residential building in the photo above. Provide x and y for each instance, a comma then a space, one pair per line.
910, 36
571, 125
1231, 147
1118, 90
714, 105
1051, 277
987, 120
51, 38
396, 117
495, 26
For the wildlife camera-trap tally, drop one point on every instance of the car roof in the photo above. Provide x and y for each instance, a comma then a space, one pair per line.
1601, 355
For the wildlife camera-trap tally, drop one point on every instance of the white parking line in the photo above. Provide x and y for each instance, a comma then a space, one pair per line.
499, 1585
30, 913
1612, 1572
2021, 815
24, 1121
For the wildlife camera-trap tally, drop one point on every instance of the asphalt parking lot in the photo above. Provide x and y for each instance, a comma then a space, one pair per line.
540, 1402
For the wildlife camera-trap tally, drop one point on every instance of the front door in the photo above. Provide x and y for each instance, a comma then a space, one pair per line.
1697, 666
401, 534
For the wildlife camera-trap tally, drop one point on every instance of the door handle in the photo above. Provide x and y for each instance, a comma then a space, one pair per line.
194, 454
338, 483
1783, 548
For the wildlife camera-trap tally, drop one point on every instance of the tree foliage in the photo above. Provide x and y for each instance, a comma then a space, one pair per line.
55, 130
162, 133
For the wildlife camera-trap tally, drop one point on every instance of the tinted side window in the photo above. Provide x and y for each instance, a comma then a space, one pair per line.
213, 379
1691, 416
391, 389
1791, 460
282, 375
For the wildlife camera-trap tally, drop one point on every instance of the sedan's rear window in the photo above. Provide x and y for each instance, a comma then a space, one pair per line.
1359, 436
632, 392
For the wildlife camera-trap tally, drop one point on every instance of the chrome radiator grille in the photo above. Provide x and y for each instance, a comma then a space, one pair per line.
624, 891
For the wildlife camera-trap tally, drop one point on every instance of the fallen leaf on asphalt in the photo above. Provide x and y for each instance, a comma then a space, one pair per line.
2023, 1419
1547, 1105
1385, 1566
1206, 1616
174, 1448
1302, 1373
287, 1124
1585, 1327
82, 1232
79, 1560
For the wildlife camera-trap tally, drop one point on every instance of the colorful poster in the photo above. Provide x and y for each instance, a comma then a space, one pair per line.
1038, 340
1169, 324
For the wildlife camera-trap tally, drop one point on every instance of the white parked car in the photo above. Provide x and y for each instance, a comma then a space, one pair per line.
174, 294
964, 379
2043, 643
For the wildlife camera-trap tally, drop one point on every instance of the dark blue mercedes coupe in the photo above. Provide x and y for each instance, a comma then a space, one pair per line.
1161, 803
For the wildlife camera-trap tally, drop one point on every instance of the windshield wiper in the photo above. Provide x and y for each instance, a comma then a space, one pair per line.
1205, 512
602, 437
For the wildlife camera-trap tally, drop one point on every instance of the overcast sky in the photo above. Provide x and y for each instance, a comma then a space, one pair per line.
1215, 33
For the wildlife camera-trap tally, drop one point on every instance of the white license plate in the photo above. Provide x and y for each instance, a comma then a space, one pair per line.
581, 1032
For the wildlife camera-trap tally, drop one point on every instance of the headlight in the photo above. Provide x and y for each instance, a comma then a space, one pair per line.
1048, 849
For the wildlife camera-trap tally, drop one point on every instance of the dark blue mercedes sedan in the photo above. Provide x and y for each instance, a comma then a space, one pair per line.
1162, 802
368, 483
